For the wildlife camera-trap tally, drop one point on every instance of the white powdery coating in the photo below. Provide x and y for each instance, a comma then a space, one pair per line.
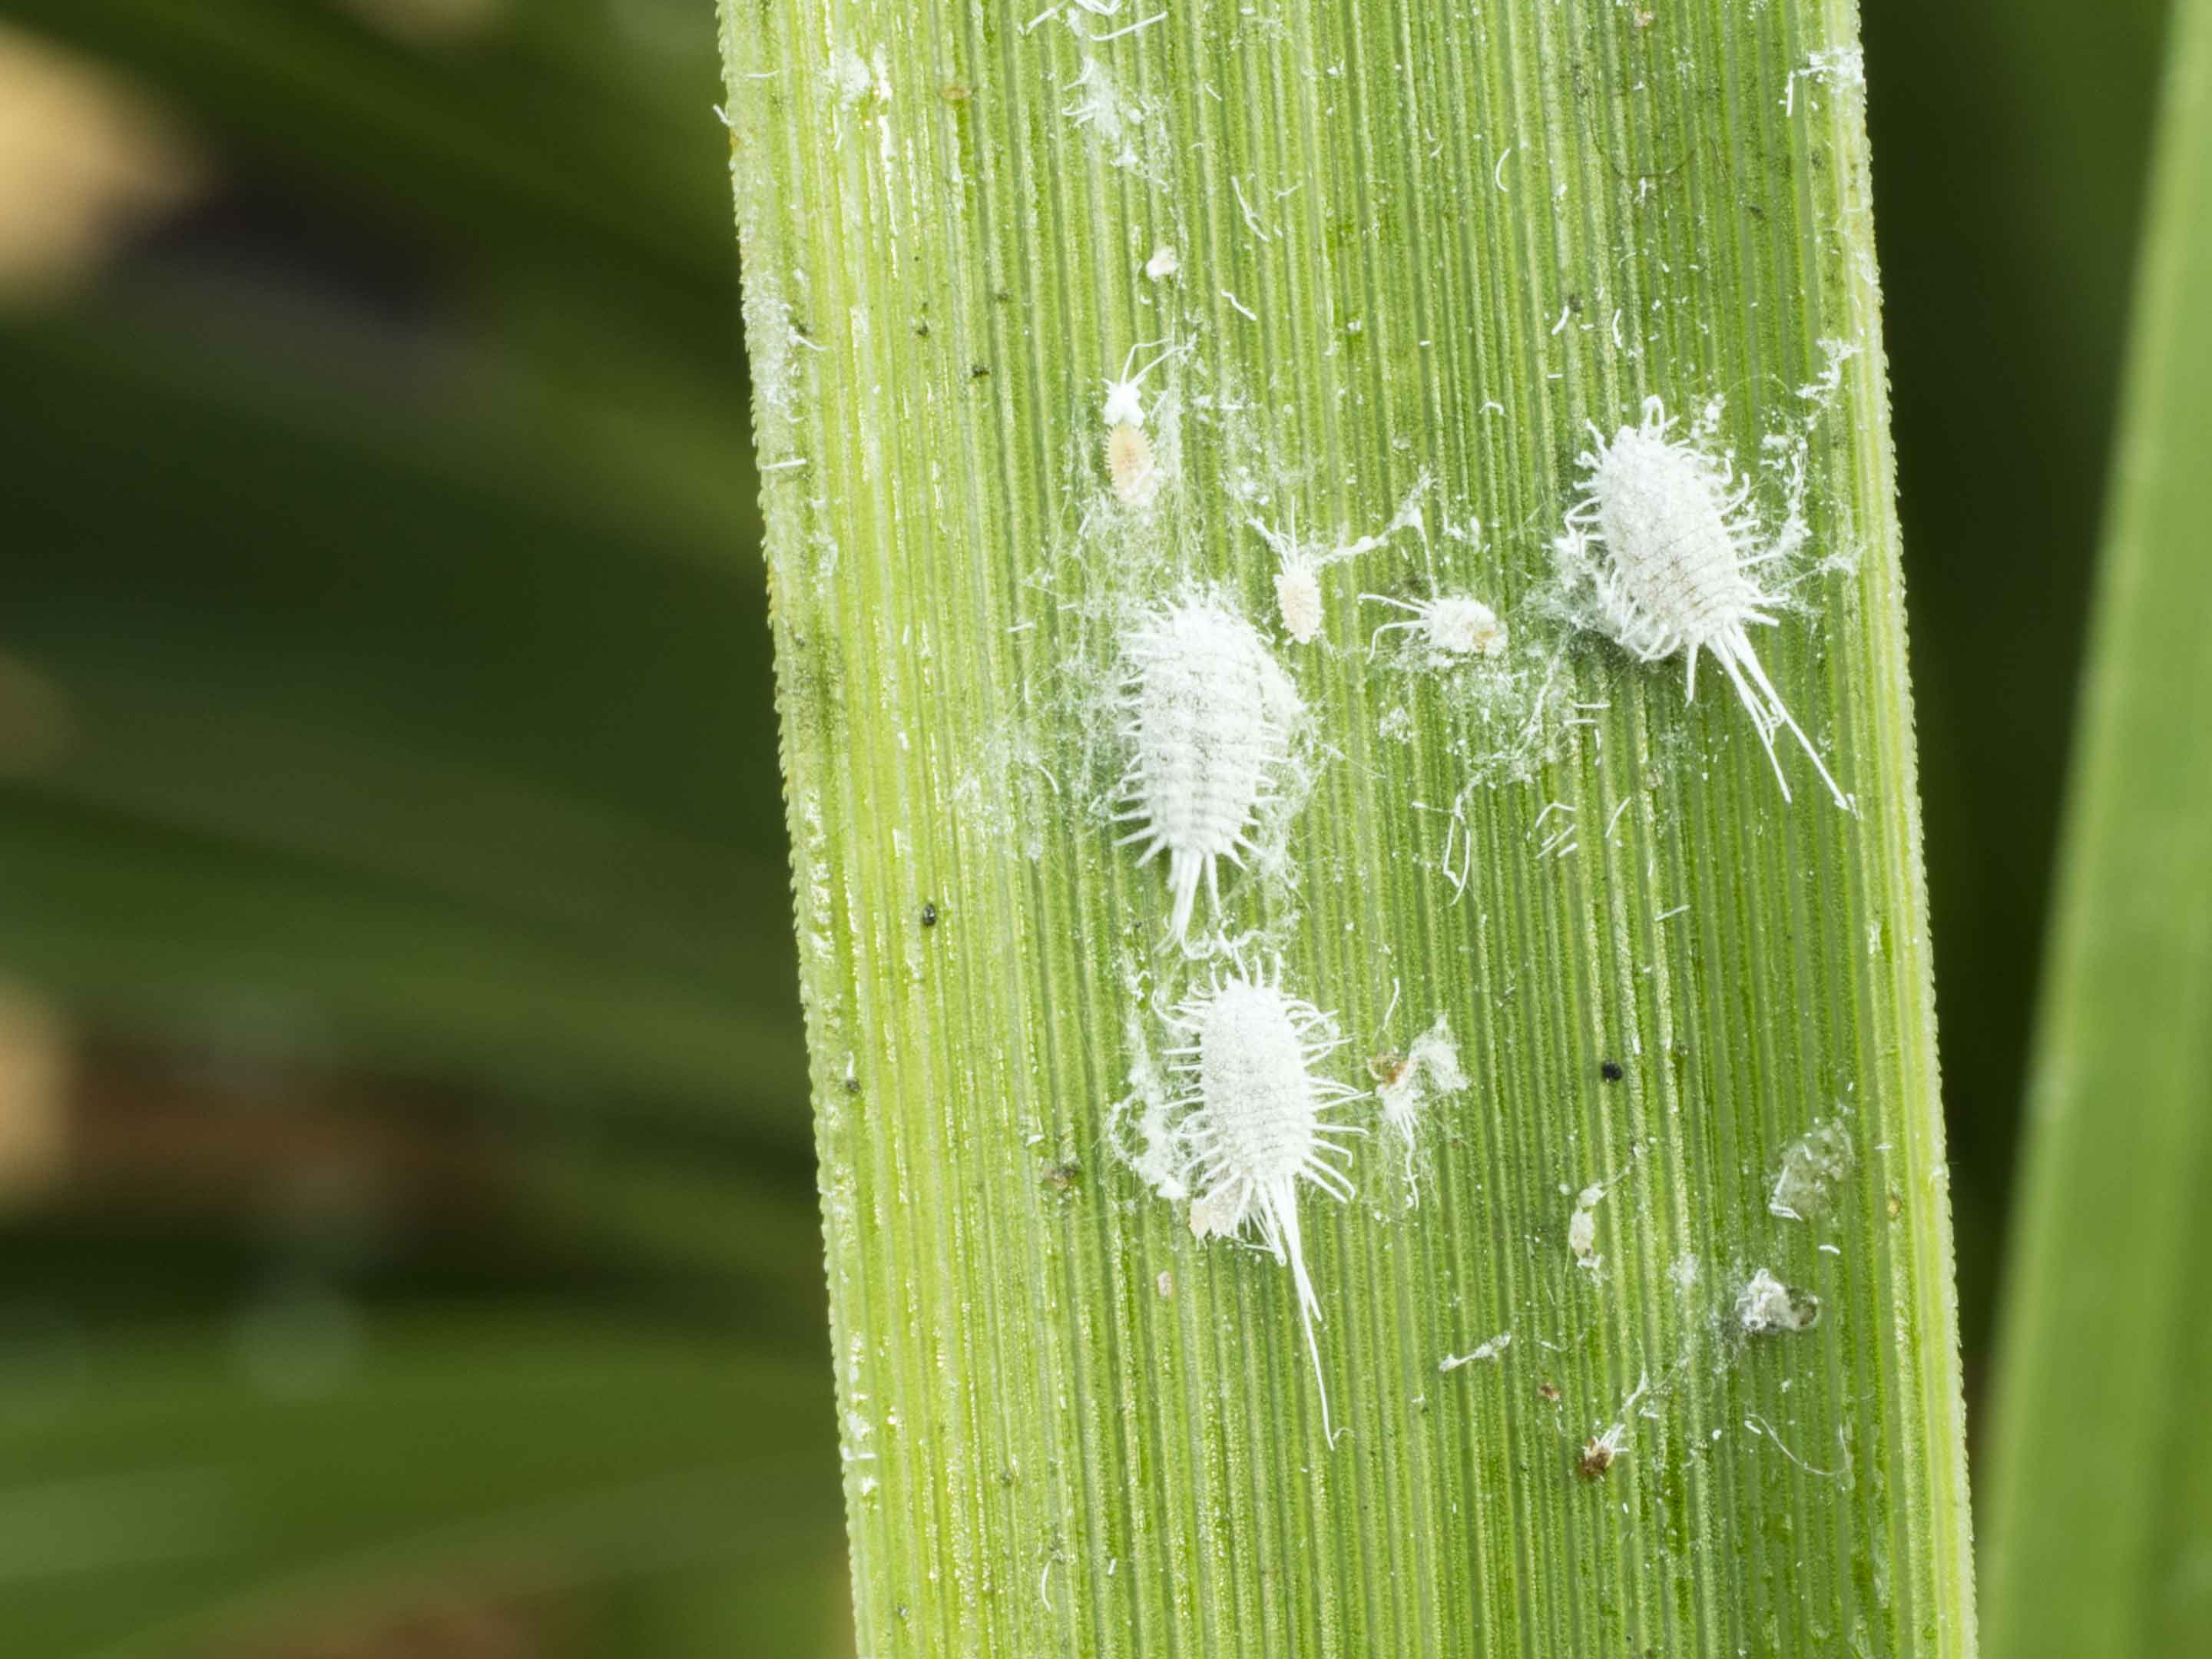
1487, 1353
1210, 719
1813, 1166
1162, 1163
1582, 1228
1257, 1127
854, 77
1429, 1069
1767, 1307
1681, 549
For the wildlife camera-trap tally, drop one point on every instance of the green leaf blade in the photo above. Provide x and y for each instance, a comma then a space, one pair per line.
2100, 1502
1412, 245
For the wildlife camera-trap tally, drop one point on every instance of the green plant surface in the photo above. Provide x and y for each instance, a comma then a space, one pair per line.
1416, 249
2100, 1500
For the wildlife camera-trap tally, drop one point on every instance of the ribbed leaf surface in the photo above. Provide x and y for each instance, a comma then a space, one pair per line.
1403, 252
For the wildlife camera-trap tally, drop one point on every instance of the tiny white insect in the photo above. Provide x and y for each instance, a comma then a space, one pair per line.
1681, 544
1297, 599
1297, 581
1210, 717
1257, 1125
1449, 625
1132, 469
1125, 403
1131, 466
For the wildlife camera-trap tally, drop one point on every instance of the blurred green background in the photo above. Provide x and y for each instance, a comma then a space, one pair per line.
407, 1238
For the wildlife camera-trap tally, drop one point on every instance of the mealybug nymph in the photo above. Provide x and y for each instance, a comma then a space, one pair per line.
1680, 547
1256, 1125
1449, 625
1210, 719
1297, 598
1131, 466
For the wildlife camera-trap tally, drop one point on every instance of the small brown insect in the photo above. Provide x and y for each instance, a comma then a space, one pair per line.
1598, 1455
1549, 1390
1388, 1070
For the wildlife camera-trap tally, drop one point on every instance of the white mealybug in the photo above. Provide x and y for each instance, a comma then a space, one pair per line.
1257, 1127
1131, 466
1449, 625
1297, 599
1210, 719
1298, 582
1680, 542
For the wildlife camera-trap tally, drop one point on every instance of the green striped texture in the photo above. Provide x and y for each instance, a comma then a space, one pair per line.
2100, 1512
1069, 1426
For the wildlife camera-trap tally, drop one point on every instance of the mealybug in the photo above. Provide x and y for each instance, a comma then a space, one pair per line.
1297, 581
1131, 466
1210, 719
1256, 1128
1297, 598
1449, 625
1680, 543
